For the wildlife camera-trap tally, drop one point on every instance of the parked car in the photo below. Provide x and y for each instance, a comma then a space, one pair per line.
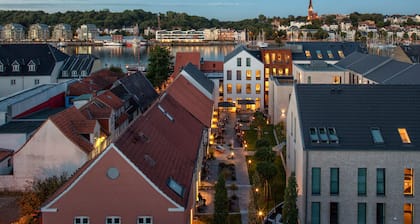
220, 148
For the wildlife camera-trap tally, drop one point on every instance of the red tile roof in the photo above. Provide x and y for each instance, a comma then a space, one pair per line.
4, 153
72, 123
95, 109
182, 59
99, 80
111, 99
163, 143
212, 66
192, 99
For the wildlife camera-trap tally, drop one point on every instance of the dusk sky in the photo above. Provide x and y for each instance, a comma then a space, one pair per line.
225, 10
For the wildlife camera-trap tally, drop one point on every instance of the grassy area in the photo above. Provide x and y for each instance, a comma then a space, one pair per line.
207, 219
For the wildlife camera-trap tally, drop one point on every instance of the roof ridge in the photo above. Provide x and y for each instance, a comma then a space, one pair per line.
399, 73
378, 66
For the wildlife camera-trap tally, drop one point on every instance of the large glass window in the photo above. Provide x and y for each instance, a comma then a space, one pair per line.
316, 181
315, 213
333, 213
408, 213
380, 213
258, 75
361, 181
361, 213
257, 88
334, 181
408, 182
229, 88
248, 88
248, 74
380, 181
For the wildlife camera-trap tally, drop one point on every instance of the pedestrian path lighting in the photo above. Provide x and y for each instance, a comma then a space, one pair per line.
260, 215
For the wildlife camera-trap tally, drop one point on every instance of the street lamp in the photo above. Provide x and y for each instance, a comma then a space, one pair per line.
260, 215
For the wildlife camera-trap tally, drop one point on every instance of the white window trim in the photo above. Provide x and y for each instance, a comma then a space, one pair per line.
31, 67
112, 217
15, 67
81, 218
144, 217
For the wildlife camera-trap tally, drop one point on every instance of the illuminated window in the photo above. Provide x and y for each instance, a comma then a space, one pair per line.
267, 58
330, 54
408, 182
286, 71
248, 74
229, 88
238, 62
279, 58
336, 80
258, 75
273, 57
308, 54
248, 62
341, 54
238, 75
81, 220
408, 213
229, 75
267, 73
404, 135
257, 88
238, 88
266, 84
248, 88
319, 54
229, 99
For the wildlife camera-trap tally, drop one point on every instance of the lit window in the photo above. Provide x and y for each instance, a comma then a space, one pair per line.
341, 54
273, 57
248, 74
266, 84
257, 88
238, 75
238, 88
248, 62
408, 213
319, 54
81, 220
308, 54
113, 220
248, 88
380, 181
274, 71
330, 54
286, 71
316, 181
408, 182
258, 75
229, 88
145, 220
376, 135
279, 58
404, 135
334, 181
267, 73
337, 80
229, 75
267, 58
238, 62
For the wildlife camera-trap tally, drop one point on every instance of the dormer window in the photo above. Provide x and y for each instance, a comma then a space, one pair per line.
308, 54
31, 66
84, 73
405, 138
74, 73
15, 66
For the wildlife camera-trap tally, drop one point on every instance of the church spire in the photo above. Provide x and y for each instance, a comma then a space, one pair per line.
310, 4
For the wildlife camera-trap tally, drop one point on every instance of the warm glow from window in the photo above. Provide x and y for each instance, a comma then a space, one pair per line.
258, 75
330, 54
337, 80
408, 213
408, 181
404, 135
257, 88
286, 71
248, 74
267, 58
341, 54
248, 88
319, 54
273, 57
238, 88
308, 54
229, 88
267, 73
266, 85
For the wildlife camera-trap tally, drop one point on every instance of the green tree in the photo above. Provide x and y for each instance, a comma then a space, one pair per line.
267, 171
221, 202
160, 63
264, 154
290, 209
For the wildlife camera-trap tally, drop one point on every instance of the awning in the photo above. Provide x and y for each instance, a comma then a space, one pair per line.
244, 102
226, 104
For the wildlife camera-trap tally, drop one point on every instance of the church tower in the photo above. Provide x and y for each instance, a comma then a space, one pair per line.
311, 14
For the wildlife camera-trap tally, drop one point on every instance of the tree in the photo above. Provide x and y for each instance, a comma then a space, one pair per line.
267, 171
264, 154
221, 203
290, 210
159, 65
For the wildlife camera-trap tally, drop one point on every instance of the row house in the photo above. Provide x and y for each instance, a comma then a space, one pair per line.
143, 165
39, 32
62, 32
24, 66
13, 32
353, 149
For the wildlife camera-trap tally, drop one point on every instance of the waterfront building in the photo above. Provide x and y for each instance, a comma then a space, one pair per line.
87, 32
354, 151
180, 36
39, 32
13, 32
62, 32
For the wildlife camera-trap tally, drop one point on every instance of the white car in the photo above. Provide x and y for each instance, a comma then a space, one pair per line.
220, 148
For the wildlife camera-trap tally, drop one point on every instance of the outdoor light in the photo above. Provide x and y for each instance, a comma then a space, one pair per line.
256, 189
249, 162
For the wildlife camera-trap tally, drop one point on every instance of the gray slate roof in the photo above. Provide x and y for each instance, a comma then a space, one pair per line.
387, 70
239, 49
199, 77
410, 75
413, 52
320, 66
299, 48
354, 109
78, 63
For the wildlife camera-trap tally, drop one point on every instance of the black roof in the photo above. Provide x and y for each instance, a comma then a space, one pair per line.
199, 76
410, 75
77, 64
137, 89
353, 110
24, 127
239, 49
44, 56
329, 51
413, 52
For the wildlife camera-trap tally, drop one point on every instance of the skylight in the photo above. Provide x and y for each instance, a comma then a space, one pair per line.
323, 135
330, 54
333, 135
313, 135
175, 186
319, 54
404, 135
377, 135
308, 54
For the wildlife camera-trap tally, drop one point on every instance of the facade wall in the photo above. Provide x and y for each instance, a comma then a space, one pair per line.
255, 66
278, 101
319, 77
14, 84
128, 196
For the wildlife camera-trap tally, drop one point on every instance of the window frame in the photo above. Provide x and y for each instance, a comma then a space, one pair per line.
334, 181
316, 187
229, 75
380, 181
362, 181
361, 213
334, 212
81, 219
239, 62
409, 180
316, 213
145, 217
248, 62
113, 219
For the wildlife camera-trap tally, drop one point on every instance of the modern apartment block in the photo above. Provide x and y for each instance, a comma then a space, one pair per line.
39, 32
354, 150
62, 32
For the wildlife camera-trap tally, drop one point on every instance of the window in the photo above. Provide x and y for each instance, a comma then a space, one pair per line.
113, 220
319, 54
258, 75
316, 213
334, 181
408, 181
81, 220
341, 54
175, 186
238, 88
323, 135
248, 62
274, 71
248, 88
273, 57
316, 181
31, 67
333, 213
308, 54
267, 73
313, 134
229, 75
332, 134
248, 74
229, 88
238, 75
145, 220
309, 80
361, 213
238, 62
380, 213
286, 71
408, 213
267, 58
404, 135
257, 88
13, 82
15, 67
376, 135
380, 181
36, 81
336, 80
361, 181
330, 54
